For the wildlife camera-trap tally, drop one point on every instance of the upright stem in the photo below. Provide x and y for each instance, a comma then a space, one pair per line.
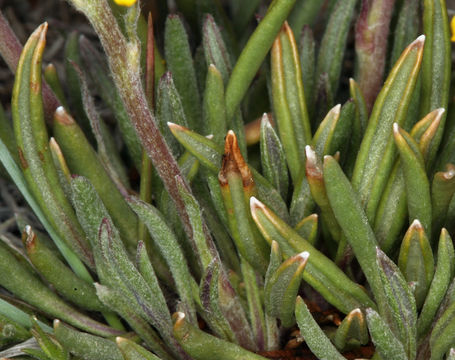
145, 191
124, 61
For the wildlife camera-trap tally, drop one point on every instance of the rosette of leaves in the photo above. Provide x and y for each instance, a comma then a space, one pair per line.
243, 224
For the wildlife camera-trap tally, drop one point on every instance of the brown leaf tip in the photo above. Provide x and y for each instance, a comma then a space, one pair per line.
313, 165
417, 225
450, 172
62, 117
178, 318
175, 127
233, 162
29, 238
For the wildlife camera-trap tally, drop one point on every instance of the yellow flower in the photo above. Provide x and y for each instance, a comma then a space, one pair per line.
125, 2
452, 27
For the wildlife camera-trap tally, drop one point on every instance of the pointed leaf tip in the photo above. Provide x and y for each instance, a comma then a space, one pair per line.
178, 317
60, 110
420, 39
310, 154
396, 128
304, 255
417, 224
440, 111
175, 126
255, 203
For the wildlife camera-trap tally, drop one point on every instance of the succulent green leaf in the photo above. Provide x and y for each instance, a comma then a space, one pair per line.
87, 346
26, 286
308, 228
334, 131
427, 140
416, 180
180, 64
53, 80
201, 345
353, 221
315, 338
73, 56
13, 170
359, 124
439, 284
377, 151
442, 191
416, 261
209, 154
385, 341
273, 160
48, 344
282, 287
13, 313
169, 248
201, 241
205, 150
224, 298
307, 59
237, 186
325, 130
36, 354
392, 209
211, 305
132, 351
302, 203
333, 43
436, 64
400, 310
169, 108
254, 52
83, 160
114, 267
254, 299
117, 301
215, 49
289, 99
35, 157
59, 275
214, 107
443, 333
320, 272
145, 268
352, 331
315, 179
273, 335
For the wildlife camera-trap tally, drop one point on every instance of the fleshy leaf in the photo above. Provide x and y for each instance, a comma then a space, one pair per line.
314, 337
282, 286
